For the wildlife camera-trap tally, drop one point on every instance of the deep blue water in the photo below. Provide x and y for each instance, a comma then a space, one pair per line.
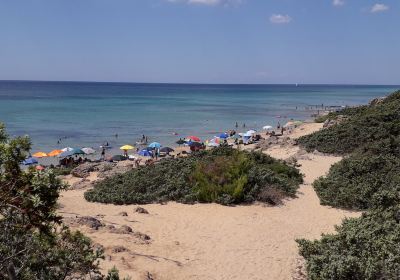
88, 114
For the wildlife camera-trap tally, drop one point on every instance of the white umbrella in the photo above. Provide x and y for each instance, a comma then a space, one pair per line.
251, 132
267, 127
88, 151
67, 149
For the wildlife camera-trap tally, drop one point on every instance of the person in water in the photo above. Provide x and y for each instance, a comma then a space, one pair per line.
236, 125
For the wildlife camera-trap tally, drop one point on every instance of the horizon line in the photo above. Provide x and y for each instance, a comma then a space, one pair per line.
191, 83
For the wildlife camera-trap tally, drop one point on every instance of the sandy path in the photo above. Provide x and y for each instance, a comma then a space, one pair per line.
210, 241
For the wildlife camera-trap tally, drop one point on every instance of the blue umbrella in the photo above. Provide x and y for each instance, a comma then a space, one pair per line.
155, 145
145, 153
29, 161
223, 135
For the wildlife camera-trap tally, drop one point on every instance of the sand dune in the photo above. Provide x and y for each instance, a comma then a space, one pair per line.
210, 241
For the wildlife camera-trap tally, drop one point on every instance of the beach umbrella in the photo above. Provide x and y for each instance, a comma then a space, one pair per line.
54, 153
66, 154
88, 151
29, 161
180, 142
223, 135
39, 154
267, 127
247, 134
194, 138
67, 149
145, 153
166, 150
155, 145
126, 147
251, 132
118, 158
39, 168
78, 151
195, 144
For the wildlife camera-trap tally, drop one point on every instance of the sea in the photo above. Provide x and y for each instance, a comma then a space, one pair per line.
88, 114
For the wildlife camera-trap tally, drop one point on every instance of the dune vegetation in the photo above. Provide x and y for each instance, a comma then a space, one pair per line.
368, 178
222, 175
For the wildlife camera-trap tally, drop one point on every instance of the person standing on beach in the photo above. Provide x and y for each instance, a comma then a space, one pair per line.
103, 153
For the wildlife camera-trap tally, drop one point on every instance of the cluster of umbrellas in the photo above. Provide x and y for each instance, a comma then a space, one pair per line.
148, 151
66, 152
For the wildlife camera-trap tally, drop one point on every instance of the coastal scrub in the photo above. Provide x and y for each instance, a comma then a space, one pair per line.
222, 175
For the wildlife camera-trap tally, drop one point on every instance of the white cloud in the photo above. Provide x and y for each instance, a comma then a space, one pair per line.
338, 3
280, 19
378, 8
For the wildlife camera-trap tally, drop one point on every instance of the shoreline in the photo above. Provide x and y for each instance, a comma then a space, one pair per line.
210, 241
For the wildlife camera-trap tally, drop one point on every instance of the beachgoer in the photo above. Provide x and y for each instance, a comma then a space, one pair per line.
146, 140
236, 125
244, 125
103, 153
125, 153
116, 135
279, 125
282, 129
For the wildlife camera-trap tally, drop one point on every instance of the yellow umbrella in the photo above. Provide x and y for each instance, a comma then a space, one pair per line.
127, 147
39, 154
54, 153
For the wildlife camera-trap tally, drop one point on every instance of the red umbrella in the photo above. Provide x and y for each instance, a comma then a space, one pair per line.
194, 138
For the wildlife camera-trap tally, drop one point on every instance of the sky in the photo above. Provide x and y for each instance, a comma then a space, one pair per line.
201, 41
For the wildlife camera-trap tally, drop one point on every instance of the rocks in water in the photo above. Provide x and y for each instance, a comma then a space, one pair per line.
141, 210
123, 213
89, 222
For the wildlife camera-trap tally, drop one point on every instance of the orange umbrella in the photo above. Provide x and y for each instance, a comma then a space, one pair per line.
39, 154
54, 153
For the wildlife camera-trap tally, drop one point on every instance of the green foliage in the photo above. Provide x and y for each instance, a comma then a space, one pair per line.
353, 182
365, 248
364, 125
33, 242
369, 178
223, 175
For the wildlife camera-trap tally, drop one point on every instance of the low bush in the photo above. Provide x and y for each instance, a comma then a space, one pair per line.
223, 175
353, 182
364, 125
365, 248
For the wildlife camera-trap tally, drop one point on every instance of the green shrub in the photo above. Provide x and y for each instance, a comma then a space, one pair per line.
223, 175
364, 125
33, 242
365, 248
353, 182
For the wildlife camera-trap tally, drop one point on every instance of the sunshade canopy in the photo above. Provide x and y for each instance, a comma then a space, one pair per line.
29, 161
126, 147
39, 154
54, 153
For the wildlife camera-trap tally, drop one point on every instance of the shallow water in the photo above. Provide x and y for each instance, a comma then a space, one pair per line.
88, 114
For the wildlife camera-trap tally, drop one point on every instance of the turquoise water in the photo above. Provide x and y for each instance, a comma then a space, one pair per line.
87, 114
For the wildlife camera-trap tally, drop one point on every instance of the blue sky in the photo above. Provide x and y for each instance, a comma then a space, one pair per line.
201, 41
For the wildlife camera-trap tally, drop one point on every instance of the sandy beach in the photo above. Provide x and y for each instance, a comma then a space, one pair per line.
210, 241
